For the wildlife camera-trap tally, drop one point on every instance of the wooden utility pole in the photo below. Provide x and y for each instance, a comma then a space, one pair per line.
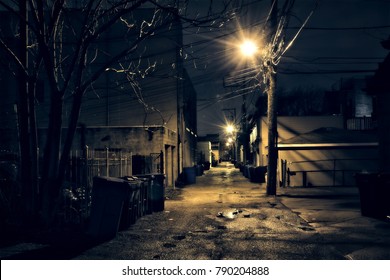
272, 114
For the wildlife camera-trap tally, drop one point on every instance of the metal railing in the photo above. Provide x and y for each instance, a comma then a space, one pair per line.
361, 123
331, 170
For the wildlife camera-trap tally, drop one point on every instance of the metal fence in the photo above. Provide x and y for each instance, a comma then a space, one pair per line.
362, 123
76, 190
85, 165
329, 172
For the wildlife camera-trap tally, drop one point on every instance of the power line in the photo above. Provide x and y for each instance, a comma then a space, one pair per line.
341, 28
322, 72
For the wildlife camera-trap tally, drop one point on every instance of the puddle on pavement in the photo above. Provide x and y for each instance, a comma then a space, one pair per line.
230, 214
272, 204
179, 237
306, 228
169, 245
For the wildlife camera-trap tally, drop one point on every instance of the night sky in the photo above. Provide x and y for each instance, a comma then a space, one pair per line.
341, 40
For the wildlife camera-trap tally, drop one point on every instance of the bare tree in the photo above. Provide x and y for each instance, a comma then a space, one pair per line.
58, 42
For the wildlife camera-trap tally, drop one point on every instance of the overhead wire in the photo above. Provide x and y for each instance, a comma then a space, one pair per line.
215, 57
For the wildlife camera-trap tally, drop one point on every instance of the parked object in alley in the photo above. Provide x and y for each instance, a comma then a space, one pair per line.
108, 197
199, 169
257, 174
190, 175
374, 189
156, 193
117, 203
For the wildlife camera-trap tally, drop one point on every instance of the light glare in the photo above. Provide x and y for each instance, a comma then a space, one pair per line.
229, 128
248, 48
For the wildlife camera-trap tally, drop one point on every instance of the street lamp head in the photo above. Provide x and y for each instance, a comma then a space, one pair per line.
248, 48
230, 128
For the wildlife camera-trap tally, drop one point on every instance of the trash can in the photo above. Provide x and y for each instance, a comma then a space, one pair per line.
108, 198
155, 191
199, 169
258, 174
384, 181
374, 190
251, 173
133, 203
241, 166
247, 173
190, 175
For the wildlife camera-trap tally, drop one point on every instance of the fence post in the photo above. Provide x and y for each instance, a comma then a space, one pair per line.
86, 180
107, 163
284, 171
130, 167
120, 164
304, 179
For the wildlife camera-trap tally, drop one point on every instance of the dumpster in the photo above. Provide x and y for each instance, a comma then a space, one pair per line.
374, 190
155, 195
108, 198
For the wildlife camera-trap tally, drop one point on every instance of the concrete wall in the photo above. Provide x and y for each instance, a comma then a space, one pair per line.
135, 140
289, 127
310, 161
204, 151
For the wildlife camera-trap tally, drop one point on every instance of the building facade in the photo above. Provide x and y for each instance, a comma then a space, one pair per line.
143, 104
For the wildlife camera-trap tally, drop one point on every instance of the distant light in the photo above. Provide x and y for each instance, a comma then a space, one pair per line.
229, 128
248, 48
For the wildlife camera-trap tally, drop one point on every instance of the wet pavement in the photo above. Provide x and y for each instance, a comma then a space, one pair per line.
334, 212
224, 216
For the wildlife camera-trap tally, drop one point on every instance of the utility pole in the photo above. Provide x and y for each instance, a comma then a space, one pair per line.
272, 114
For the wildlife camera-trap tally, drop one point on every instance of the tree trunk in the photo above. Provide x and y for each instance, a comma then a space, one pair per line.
72, 126
50, 184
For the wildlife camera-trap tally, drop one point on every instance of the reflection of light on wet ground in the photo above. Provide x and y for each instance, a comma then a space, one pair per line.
229, 214
228, 173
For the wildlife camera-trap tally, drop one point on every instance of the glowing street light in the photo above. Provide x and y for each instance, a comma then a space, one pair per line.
248, 48
230, 129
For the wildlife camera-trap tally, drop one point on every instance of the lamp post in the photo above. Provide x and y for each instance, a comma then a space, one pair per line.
272, 133
271, 57
271, 114
249, 49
